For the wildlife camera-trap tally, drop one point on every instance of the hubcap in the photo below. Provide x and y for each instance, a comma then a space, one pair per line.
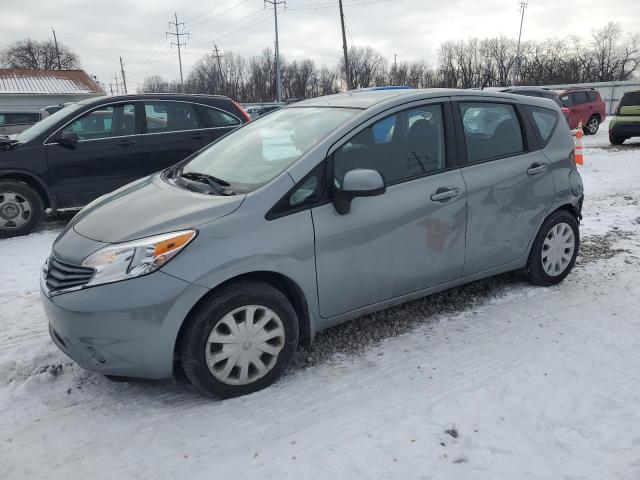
244, 345
557, 249
15, 210
593, 125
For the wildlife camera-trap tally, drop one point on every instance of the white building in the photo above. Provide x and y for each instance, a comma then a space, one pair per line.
36, 89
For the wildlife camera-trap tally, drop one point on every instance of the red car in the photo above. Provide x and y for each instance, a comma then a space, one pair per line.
584, 105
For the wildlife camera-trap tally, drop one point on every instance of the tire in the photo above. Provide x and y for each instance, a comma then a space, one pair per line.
21, 209
616, 140
592, 126
214, 319
541, 272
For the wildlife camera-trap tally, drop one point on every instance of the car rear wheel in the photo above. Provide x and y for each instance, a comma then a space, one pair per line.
616, 140
592, 126
240, 340
555, 249
21, 209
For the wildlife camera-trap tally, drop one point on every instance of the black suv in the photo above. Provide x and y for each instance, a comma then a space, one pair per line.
95, 146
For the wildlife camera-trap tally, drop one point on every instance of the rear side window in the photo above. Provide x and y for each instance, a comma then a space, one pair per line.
544, 122
630, 99
491, 130
163, 117
580, 98
219, 119
592, 96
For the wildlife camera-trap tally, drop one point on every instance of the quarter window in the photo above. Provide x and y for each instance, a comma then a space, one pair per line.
220, 119
105, 122
400, 147
162, 117
544, 121
592, 96
491, 130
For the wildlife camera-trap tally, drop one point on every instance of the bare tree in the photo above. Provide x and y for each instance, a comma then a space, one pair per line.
35, 55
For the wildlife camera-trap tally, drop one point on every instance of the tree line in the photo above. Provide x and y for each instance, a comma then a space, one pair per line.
609, 54
38, 55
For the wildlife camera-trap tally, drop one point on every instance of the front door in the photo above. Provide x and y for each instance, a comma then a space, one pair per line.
405, 240
104, 158
509, 185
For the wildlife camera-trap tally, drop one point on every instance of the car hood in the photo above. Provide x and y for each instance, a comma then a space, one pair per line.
149, 206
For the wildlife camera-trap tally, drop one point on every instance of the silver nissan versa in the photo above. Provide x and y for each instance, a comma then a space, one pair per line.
308, 217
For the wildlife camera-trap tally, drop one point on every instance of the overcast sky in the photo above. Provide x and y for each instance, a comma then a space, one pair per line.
102, 30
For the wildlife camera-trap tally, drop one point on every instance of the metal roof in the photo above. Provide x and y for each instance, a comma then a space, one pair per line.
47, 82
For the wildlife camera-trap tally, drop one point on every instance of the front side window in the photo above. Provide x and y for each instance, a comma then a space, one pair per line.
400, 147
491, 130
566, 101
104, 122
163, 117
259, 151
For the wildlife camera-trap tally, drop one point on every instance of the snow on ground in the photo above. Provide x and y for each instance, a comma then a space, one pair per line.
530, 383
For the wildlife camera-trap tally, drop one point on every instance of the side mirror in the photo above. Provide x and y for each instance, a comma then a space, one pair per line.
67, 139
357, 183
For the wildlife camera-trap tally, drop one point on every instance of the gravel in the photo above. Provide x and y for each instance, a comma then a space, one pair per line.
356, 336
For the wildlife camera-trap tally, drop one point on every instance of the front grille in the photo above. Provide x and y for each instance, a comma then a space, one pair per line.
62, 275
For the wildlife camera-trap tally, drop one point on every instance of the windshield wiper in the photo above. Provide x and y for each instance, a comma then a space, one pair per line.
217, 185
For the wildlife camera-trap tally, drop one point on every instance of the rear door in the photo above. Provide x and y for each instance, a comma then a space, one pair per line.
581, 110
173, 130
105, 158
509, 185
407, 239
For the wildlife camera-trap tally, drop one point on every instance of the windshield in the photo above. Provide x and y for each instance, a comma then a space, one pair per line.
258, 152
45, 124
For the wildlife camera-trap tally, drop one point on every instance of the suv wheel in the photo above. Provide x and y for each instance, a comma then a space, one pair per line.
239, 341
616, 140
592, 126
21, 209
555, 249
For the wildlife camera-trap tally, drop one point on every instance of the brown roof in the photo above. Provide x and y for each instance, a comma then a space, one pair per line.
43, 82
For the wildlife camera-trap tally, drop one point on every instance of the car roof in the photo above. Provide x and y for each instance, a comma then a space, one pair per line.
154, 96
366, 98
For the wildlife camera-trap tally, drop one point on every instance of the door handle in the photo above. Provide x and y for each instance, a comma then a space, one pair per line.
444, 194
197, 136
127, 143
536, 168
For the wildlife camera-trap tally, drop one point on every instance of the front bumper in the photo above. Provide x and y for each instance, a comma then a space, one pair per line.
127, 328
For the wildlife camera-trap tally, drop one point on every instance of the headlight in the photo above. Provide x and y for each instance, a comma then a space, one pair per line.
136, 258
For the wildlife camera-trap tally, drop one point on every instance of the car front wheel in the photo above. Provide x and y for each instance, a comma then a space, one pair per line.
555, 249
240, 340
21, 209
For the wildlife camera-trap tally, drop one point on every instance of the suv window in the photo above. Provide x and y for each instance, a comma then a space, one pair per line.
630, 99
402, 146
592, 96
544, 121
162, 117
580, 98
18, 118
104, 122
219, 119
491, 130
566, 100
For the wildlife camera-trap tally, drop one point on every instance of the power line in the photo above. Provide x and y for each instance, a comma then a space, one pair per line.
177, 35
275, 4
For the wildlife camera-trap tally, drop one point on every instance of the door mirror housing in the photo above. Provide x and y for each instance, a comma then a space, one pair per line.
357, 183
67, 139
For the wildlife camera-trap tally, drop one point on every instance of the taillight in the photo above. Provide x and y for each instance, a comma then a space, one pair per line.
243, 112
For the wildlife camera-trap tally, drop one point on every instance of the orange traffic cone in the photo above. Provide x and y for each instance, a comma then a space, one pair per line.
579, 150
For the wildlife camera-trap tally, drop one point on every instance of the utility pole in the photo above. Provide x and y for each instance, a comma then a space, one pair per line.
217, 56
124, 80
344, 48
395, 68
115, 78
275, 4
177, 35
55, 41
523, 6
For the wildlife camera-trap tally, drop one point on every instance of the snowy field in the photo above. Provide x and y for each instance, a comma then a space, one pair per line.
514, 382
